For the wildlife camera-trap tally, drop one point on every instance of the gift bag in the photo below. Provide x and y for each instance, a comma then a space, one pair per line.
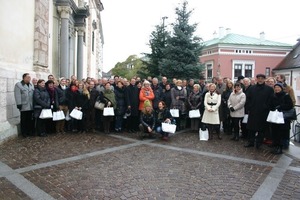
168, 128
174, 112
108, 111
46, 114
245, 119
203, 135
59, 115
76, 114
194, 113
275, 117
99, 105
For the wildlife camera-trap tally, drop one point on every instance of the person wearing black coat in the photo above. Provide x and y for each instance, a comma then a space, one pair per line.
41, 100
162, 115
227, 122
194, 103
259, 99
246, 89
280, 132
167, 96
54, 101
82, 103
158, 93
120, 107
63, 104
71, 93
91, 111
132, 101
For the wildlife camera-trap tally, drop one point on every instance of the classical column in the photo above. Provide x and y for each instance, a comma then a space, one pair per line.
80, 34
64, 12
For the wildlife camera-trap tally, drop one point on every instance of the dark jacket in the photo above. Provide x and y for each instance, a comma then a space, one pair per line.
120, 101
148, 120
246, 91
62, 96
71, 99
132, 99
195, 100
167, 98
93, 96
81, 100
259, 99
282, 102
224, 99
41, 100
162, 115
54, 99
158, 95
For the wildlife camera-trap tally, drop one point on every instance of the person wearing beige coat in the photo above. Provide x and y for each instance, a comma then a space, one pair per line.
236, 103
212, 102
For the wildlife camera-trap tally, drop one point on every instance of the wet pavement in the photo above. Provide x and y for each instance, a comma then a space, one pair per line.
121, 166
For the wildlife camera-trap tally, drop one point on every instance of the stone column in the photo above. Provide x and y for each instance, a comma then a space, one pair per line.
64, 12
80, 34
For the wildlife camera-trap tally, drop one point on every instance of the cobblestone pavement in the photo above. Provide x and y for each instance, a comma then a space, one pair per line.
121, 166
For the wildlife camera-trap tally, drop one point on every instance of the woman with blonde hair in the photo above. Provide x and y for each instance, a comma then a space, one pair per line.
147, 120
179, 98
212, 102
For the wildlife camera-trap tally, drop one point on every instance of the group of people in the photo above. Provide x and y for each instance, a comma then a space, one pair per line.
143, 105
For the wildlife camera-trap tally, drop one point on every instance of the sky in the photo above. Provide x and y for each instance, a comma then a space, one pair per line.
127, 24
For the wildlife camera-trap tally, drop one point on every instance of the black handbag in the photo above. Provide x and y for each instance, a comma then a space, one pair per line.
290, 114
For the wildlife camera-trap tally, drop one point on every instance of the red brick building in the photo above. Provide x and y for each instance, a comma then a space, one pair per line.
231, 55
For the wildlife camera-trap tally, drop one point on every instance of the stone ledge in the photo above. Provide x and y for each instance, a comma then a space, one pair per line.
7, 131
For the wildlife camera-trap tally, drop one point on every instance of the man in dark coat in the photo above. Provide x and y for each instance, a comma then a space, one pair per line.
132, 102
259, 99
246, 89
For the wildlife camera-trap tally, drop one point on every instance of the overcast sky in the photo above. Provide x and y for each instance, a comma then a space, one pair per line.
127, 24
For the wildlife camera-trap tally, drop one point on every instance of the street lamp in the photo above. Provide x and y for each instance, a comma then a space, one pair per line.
163, 18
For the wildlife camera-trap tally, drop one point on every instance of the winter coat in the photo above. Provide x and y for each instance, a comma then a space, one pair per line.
246, 91
120, 99
211, 101
62, 93
162, 115
282, 101
237, 100
195, 100
54, 101
259, 98
145, 94
224, 103
148, 120
81, 100
41, 100
179, 103
93, 96
167, 98
109, 96
158, 95
24, 95
71, 99
132, 99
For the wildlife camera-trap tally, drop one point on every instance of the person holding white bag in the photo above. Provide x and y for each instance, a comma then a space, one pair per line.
194, 101
236, 103
110, 101
163, 115
41, 100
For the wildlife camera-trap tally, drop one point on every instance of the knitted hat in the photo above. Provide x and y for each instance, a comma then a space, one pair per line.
147, 103
279, 84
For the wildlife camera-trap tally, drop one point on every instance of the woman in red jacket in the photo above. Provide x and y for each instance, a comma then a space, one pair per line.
146, 93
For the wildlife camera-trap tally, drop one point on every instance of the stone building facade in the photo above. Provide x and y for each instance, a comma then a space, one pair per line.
42, 37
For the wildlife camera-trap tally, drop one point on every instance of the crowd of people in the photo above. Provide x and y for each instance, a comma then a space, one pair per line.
141, 106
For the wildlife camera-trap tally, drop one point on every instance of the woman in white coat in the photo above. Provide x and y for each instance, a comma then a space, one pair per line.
212, 102
236, 103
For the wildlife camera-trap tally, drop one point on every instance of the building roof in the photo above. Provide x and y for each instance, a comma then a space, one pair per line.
292, 60
236, 39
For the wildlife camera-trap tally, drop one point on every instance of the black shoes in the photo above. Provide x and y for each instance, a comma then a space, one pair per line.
249, 145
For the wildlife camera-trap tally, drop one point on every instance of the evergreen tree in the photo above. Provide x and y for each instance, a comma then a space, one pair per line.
181, 54
157, 45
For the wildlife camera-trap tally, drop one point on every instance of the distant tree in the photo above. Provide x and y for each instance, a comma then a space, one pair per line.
157, 45
182, 50
129, 68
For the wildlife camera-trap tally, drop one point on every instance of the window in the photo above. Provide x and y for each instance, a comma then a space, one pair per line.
93, 41
209, 73
267, 71
237, 70
247, 51
248, 70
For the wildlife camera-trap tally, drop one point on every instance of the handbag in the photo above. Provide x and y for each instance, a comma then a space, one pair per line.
174, 112
99, 105
275, 117
290, 114
203, 134
46, 114
194, 113
76, 114
168, 128
59, 115
245, 119
108, 111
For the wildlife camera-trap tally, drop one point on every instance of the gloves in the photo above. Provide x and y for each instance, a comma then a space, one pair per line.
19, 107
231, 109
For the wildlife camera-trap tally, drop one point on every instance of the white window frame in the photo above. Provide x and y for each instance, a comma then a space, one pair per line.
243, 63
211, 66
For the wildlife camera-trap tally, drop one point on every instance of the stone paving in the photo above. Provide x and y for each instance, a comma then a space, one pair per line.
121, 166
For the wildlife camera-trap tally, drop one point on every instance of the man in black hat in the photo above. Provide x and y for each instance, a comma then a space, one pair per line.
258, 102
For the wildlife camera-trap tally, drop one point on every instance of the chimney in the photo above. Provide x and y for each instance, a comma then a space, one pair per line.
228, 31
262, 36
215, 35
221, 32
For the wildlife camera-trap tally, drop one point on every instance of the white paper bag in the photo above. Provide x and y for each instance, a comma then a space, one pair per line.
59, 115
245, 119
168, 128
275, 117
174, 112
108, 111
203, 135
194, 113
76, 114
46, 114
